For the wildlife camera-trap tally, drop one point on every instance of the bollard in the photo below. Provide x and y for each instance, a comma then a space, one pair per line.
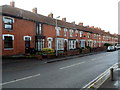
111, 72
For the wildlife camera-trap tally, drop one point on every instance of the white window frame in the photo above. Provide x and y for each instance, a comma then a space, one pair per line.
76, 33
8, 35
81, 33
27, 37
89, 35
71, 32
58, 29
65, 32
60, 43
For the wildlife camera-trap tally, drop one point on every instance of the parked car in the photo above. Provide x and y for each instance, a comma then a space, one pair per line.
111, 48
117, 46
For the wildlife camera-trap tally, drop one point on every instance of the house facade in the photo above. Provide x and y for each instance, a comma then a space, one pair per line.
22, 30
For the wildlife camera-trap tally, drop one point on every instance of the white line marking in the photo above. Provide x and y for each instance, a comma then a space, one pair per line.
20, 79
93, 59
72, 65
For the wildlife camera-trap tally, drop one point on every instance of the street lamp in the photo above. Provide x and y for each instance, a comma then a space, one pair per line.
56, 36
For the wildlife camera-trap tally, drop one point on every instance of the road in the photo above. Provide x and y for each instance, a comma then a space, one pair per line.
73, 73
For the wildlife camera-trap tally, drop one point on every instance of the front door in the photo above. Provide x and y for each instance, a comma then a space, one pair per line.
27, 45
65, 45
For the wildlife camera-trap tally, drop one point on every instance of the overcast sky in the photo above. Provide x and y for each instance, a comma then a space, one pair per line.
98, 13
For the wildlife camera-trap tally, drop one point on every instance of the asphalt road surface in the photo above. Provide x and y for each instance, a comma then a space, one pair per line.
72, 73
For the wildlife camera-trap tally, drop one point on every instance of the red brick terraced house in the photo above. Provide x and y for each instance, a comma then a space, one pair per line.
23, 29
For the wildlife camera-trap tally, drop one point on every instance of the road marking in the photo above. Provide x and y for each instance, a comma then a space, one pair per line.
93, 59
20, 79
71, 65
96, 58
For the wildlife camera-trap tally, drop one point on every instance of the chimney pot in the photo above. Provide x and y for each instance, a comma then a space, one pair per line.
64, 19
12, 3
87, 26
81, 24
50, 15
34, 10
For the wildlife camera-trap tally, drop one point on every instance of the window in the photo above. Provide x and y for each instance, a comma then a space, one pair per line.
72, 44
89, 35
82, 43
71, 33
94, 36
58, 30
8, 42
38, 28
99, 36
8, 23
81, 33
76, 33
60, 44
39, 44
65, 32
90, 43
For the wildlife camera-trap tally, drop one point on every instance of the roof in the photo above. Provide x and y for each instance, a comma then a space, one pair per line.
24, 14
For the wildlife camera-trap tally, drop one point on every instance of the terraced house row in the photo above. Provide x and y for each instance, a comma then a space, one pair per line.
23, 29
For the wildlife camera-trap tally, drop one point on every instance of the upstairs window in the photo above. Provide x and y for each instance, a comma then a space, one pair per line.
8, 23
71, 33
76, 33
38, 29
89, 35
65, 32
81, 33
58, 30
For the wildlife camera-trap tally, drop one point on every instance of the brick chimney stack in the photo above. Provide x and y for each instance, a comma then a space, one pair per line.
12, 3
50, 15
87, 26
73, 22
64, 19
81, 24
92, 26
34, 10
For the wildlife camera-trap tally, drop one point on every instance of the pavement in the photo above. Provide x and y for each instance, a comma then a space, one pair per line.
110, 84
22, 58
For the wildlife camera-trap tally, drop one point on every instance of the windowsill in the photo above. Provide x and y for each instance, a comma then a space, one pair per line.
8, 48
9, 29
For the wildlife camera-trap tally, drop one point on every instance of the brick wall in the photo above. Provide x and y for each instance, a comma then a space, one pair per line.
21, 28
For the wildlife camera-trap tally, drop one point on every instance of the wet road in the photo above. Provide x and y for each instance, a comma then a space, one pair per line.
73, 73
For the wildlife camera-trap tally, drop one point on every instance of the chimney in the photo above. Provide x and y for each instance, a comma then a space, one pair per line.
87, 26
64, 19
50, 15
81, 24
99, 28
12, 3
34, 10
92, 26
73, 22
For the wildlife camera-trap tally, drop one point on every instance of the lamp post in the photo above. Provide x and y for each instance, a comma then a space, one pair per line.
56, 46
